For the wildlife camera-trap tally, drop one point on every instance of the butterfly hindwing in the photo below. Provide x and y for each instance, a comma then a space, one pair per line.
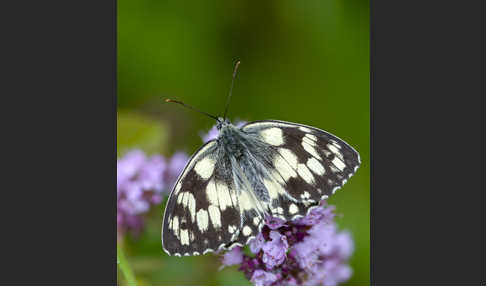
202, 212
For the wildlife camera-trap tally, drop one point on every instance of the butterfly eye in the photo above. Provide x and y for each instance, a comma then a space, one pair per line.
219, 125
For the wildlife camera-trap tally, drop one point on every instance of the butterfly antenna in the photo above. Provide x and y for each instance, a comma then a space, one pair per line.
231, 89
190, 107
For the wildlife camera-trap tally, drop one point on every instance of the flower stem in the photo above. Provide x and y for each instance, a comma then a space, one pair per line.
124, 267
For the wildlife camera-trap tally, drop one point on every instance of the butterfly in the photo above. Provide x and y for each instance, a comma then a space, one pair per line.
263, 168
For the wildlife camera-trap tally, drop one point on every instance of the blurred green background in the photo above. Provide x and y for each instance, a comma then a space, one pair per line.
301, 61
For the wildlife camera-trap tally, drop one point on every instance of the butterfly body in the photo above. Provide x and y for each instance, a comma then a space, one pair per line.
263, 169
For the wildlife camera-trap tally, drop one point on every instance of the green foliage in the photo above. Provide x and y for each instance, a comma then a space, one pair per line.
124, 267
301, 61
139, 131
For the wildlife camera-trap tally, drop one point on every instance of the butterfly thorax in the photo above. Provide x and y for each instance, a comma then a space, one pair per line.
238, 148
230, 138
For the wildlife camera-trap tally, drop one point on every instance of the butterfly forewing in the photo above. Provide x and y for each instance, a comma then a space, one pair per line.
308, 164
202, 207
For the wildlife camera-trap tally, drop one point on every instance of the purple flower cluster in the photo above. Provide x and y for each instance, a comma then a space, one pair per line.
141, 183
306, 251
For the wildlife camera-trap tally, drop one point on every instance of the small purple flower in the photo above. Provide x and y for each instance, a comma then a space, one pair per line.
331, 272
274, 222
263, 278
324, 237
249, 265
344, 244
317, 214
210, 135
233, 257
257, 243
289, 281
274, 251
128, 166
141, 183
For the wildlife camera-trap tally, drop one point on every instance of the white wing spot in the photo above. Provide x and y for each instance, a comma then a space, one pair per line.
307, 139
305, 174
246, 230
205, 167
333, 168
215, 216
179, 197
311, 137
191, 205
234, 198
336, 150
273, 188
277, 177
224, 197
283, 167
311, 150
185, 198
231, 228
305, 129
333, 149
175, 225
273, 136
289, 156
336, 144
202, 220
338, 163
245, 202
211, 193
316, 166
305, 195
184, 237
293, 209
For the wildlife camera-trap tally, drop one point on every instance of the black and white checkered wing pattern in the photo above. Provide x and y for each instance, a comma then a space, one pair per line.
264, 168
202, 213
306, 166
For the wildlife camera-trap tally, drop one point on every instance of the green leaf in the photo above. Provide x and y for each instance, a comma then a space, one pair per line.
125, 267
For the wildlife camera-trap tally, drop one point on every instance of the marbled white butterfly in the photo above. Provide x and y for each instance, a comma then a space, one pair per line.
265, 168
